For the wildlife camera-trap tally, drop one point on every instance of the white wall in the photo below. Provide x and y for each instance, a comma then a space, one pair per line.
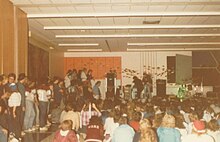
136, 61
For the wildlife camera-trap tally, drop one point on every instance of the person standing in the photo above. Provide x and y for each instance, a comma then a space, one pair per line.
21, 89
96, 90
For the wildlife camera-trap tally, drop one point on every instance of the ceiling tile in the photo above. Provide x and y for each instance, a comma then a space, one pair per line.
120, 1
160, 31
139, 8
182, 20
198, 20
41, 1
80, 1
61, 1
76, 21
31, 10
120, 8
84, 9
175, 8
121, 21
109, 31
46, 22
21, 1
102, 8
60, 22
91, 21
100, 1
136, 20
168, 20
193, 8
211, 8
157, 8
48, 10
66, 9
106, 21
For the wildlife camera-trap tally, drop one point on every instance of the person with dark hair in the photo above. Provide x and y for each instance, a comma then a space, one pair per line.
69, 113
11, 78
22, 78
14, 103
135, 122
94, 130
96, 90
138, 86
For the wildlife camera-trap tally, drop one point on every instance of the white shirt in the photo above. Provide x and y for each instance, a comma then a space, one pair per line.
197, 138
14, 99
30, 95
43, 95
110, 126
83, 76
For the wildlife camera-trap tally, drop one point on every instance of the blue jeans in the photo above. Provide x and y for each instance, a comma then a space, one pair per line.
43, 113
3, 137
29, 115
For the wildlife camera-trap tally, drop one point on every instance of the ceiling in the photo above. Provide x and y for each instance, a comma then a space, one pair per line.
125, 25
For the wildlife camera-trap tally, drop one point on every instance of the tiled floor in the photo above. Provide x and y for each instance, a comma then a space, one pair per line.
38, 136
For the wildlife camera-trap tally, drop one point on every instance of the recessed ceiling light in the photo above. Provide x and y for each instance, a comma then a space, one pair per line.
78, 44
84, 50
51, 48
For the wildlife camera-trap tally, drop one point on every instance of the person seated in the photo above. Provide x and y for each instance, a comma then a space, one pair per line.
65, 134
95, 130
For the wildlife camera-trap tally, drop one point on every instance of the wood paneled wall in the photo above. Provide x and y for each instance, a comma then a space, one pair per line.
22, 40
56, 64
38, 63
99, 65
13, 38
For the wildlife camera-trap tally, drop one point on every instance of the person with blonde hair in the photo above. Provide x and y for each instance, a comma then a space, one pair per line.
65, 134
145, 133
167, 132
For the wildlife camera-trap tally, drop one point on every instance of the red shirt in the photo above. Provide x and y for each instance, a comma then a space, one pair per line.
135, 125
94, 132
70, 137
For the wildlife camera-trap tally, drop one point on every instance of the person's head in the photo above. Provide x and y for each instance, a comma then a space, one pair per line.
11, 78
95, 120
213, 125
168, 121
56, 80
66, 125
144, 124
89, 71
199, 127
22, 77
68, 107
147, 133
136, 116
123, 119
98, 83
13, 87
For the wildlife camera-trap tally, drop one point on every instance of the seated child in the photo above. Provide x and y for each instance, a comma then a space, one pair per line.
65, 134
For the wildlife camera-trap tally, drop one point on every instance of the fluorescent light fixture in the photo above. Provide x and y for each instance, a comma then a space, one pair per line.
124, 14
78, 44
137, 35
51, 48
122, 27
172, 43
84, 50
171, 49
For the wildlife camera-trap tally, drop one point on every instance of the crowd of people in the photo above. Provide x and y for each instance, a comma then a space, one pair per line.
75, 104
